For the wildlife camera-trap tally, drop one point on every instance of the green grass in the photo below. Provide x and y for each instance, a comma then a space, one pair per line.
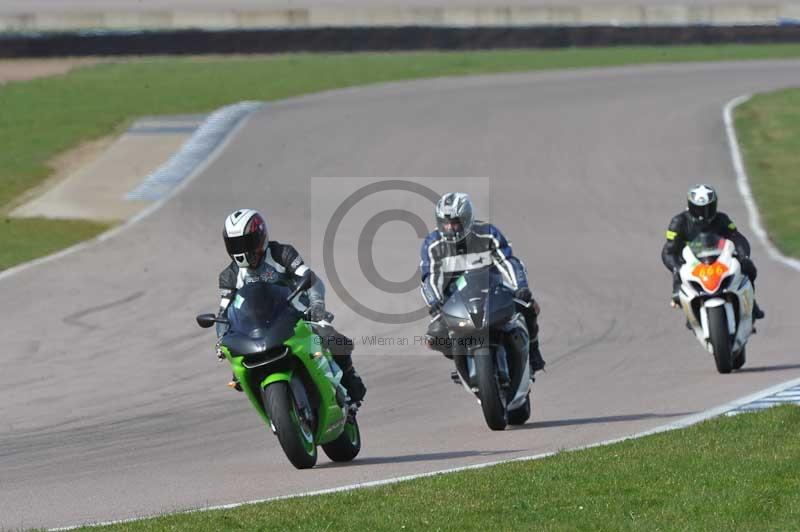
24, 239
41, 118
740, 473
768, 128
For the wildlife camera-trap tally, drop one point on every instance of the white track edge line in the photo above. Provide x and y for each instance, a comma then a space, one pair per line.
210, 158
743, 184
680, 424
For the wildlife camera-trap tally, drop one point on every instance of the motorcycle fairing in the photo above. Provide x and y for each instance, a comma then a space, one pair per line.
484, 307
307, 347
704, 285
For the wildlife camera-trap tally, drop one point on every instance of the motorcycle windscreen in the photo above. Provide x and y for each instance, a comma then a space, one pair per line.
256, 305
473, 290
707, 247
500, 307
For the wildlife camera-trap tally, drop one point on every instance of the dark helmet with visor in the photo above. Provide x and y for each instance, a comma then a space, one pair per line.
702, 202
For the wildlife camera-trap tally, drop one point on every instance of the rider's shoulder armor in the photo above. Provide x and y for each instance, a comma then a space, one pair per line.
227, 277
481, 227
432, 237
486, 229
285, 255
434, 247
678, 226
724, 224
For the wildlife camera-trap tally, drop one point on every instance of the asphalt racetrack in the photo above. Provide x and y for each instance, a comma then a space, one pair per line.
112, 403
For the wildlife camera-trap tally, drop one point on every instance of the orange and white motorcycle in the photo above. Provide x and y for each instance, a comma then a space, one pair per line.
717, 299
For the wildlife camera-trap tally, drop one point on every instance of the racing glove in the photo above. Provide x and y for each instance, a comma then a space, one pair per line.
317, 312
435, 307
524, 294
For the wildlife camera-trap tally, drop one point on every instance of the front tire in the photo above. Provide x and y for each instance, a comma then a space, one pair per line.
347, 446
295, 437
720, 339
521, 414
494, 409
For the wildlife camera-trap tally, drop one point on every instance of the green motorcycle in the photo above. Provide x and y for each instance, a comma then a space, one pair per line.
287, 374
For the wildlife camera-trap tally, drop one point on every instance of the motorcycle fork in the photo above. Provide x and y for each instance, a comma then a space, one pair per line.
500, 362
517, 354
302, 401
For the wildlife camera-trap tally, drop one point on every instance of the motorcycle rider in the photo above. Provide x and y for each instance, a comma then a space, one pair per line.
255, 258
701, 216
461, 243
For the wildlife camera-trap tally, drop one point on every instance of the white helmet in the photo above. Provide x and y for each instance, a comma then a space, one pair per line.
246, 237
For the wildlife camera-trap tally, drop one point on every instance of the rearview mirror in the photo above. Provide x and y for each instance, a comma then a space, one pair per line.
306, 282
206, 320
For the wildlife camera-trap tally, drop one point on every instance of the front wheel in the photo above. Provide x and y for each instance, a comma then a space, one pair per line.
720, 339
494, 409
294, 434
347, 445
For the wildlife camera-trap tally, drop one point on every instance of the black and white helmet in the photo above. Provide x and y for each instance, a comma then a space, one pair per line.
454, 216
246, 237
702, 201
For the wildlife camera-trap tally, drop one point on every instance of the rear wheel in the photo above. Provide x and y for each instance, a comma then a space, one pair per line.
294, 434
492, 404
521, 414
740, 359
347, 445
720, 339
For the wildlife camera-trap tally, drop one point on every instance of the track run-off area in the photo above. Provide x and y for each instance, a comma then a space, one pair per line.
112, 402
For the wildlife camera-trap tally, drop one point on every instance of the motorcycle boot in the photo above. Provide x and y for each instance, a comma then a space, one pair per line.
352, 382
235, 384
758, 314
535, 357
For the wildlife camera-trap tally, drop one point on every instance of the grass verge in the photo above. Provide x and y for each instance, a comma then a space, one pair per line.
24, 239
738, 473
42, 118
768, 128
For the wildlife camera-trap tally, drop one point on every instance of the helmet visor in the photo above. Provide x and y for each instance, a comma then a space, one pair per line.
451, 228
703, 212
239, 245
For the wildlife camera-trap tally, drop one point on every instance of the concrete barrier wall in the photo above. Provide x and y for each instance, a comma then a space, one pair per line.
177, 42
318, 17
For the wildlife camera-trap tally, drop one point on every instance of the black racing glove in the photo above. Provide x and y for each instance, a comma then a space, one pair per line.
435, 307
316, 312
524, 294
